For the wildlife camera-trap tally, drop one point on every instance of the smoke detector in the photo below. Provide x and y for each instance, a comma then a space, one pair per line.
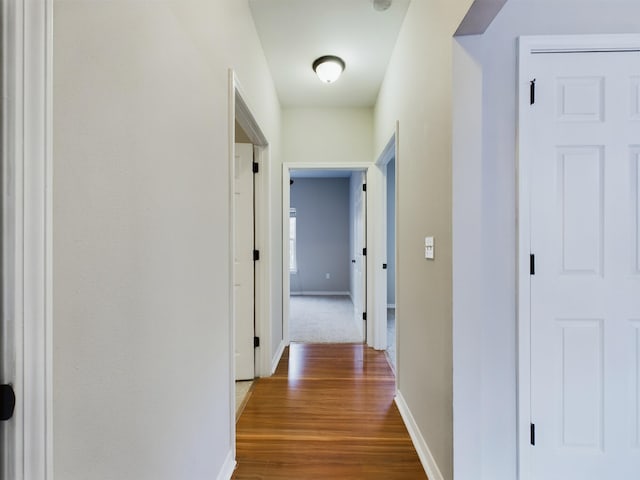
381, 5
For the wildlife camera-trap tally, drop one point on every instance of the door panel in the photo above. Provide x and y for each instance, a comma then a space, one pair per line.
360, 266
243, 287
585, 294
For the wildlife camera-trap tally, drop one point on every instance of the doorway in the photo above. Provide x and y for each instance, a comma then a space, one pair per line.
253, 326
579, 251
391, 261
326, 255
385, 257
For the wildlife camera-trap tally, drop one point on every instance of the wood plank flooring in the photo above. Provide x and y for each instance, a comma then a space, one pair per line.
327, 413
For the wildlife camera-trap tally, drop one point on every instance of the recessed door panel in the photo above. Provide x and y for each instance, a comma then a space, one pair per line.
634, 404
581, 386
581, 99
635, 196
581, 197
635, 98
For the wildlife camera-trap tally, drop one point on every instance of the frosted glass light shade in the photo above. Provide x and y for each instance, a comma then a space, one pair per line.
328, 68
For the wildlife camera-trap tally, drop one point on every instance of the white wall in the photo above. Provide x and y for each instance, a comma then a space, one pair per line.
141, 212
417, 93
327, 135
484, 209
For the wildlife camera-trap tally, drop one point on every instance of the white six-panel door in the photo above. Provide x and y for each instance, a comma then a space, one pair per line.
584, 128
243, 275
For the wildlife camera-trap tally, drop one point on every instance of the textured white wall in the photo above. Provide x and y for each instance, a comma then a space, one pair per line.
141, 201
484, 209
417, 93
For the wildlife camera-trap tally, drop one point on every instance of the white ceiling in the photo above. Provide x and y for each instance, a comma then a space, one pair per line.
296, 32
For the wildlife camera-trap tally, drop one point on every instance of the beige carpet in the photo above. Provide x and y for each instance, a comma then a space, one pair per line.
323, 319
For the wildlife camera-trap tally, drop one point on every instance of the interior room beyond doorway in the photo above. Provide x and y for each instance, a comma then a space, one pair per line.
326, 258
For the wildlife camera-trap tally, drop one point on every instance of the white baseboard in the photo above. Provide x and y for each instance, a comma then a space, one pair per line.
318, 293
426, 458
391, 305
278, 356
227, 469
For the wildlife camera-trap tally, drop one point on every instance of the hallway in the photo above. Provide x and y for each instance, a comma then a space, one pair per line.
327, 412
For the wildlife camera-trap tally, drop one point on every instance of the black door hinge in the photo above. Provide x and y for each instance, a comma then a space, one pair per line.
532, 264
532, 92
533, 434
364, 187
256, 167
7, 402
364, 315
384, 266
364, 252
256, 342
256, 255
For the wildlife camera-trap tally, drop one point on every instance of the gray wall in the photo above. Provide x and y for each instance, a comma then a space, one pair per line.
484, 222
391, 233
322, 211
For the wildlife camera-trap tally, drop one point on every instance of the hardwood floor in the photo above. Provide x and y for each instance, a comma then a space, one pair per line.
327, 413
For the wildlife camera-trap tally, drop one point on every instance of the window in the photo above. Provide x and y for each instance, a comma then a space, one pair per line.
293, 263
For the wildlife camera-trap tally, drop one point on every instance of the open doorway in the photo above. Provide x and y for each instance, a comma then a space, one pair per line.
327, 256
252, 332
391, 261
386, 316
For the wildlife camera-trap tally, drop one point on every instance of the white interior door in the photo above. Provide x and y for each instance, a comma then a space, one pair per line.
243, 275
585, 291
360, 243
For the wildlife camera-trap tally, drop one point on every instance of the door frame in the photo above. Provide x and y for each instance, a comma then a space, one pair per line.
240, 111
286, 205
528, 46
27, 86
389, 152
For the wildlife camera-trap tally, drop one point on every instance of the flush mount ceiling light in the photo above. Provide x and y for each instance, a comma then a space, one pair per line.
328, 68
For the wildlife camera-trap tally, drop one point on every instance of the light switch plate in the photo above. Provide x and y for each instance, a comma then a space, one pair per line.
429, 248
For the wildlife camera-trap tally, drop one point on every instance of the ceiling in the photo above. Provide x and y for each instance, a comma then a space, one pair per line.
296, 32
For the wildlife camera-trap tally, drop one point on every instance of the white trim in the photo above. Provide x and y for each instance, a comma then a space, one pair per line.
424, 453
317, 293
327, 166
389, 151
278, 356
286, 281
527, 46
391, 305
27, 177
379, 316
231, 232
228, 467
245, 117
